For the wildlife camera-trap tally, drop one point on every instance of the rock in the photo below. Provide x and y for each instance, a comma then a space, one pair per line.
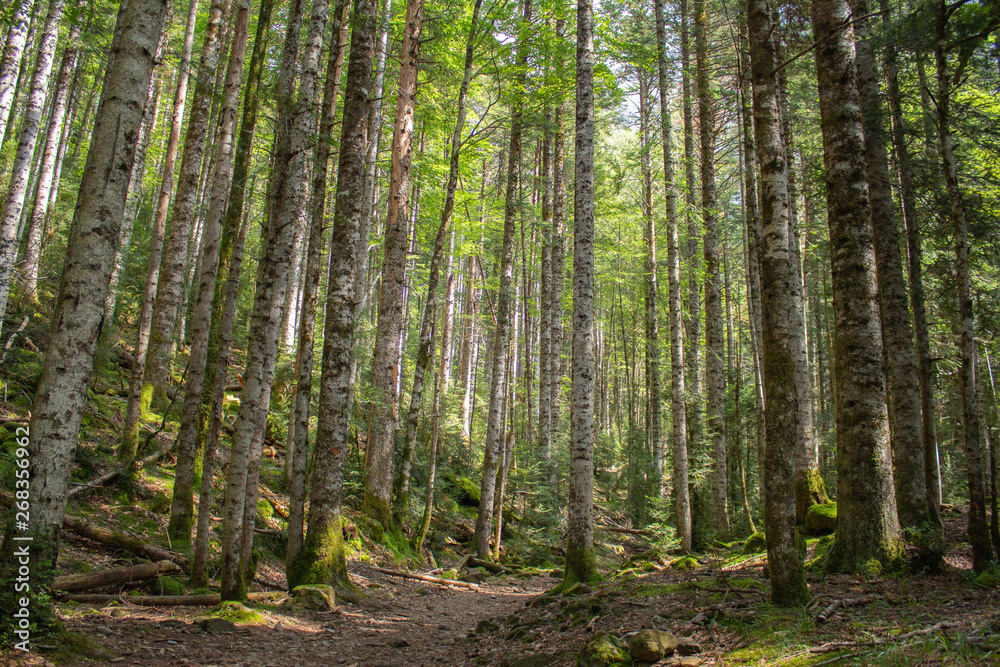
604, 650
217, 626
118, 613
690, 661
172, 623
651, 645
315, 597
486, 626
398, 643
104, 630
685, 563
688, 646
821, 519
755, 544
474, 575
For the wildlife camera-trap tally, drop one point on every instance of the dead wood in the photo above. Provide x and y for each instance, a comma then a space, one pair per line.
424, 577
124, 542
495, 568
626, 531
115, 576
115, 474
13, 337
831, 608
205, 600
272, 499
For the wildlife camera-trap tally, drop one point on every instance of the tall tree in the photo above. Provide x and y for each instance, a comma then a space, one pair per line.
494, 424
322, 558
10, 60
901, 367
79, 309
581, 563
715, 369
787, 576
867, 525
382, 418
21, 170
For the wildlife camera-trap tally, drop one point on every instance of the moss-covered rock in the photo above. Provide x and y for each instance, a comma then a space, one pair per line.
651, 645
315, 597
685, 563
167, 586
468, 492
755, 544
604, 650
235, 612
821, 519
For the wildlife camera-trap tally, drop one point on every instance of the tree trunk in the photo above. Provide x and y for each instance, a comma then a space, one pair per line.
932, 484
139, 395
190, 437
79, 309
169, 290
786, 574
44, 182
681, 488
654, 425
383, 416
715, 370
979, 535
425, 349
494, 426
901, 367
21, 170
322, 558
10, 61
581, 563
867, 525
298, 427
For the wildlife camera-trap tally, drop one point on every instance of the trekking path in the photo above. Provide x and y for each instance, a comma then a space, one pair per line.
409, 623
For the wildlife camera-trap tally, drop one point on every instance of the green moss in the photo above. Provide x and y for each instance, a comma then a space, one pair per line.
322, 559
821, 519
469, 493
755, 544
685, 563
264, 510
167, 586
237, 613
604, 650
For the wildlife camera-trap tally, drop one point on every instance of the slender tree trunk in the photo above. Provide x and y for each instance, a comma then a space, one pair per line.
715, 371
932, 484
10, 61
494, 427
190, 439
285, 194
170, 286
21, 170
140, 392
867, 525
681, 488
322, 558
298, 427
383, 417
979, 535
425, 349
786, 574
44, 182
581, 563
901, 367
654, 425
78, 314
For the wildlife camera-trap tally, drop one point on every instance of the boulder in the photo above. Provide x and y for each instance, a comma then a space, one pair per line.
217, 626
315, 597
604, 650
821, 519
651, 645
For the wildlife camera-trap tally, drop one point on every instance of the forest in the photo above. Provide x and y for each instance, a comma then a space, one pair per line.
499, 333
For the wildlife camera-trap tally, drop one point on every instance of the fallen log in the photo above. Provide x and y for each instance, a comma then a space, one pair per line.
115, 474
831, 608
115, 576
626, 531
272, 499
123, 542
204, 600
427, 578
495, 568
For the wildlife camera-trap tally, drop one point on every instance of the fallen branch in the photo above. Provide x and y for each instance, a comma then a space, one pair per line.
272, 499
495, 568
943, 625
115, 576
831, 608
13, 337
626, 531
115, 474
206, 600
424, 577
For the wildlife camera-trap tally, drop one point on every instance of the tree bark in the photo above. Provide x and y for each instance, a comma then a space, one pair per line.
139, 395
901, 367
21, 169
169, 290
79, 309
581, 564
322, 558
867, 525
10, 61
786, 574
494, 425
383, 417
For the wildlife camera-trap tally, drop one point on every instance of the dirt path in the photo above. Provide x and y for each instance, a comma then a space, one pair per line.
419, 624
